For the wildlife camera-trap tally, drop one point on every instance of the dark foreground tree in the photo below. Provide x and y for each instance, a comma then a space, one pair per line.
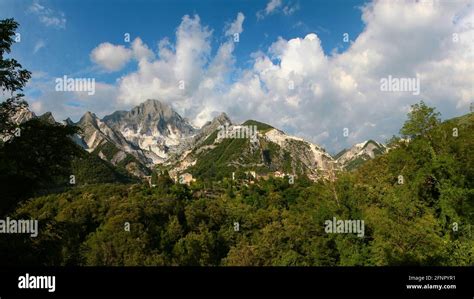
12, 79
34, 155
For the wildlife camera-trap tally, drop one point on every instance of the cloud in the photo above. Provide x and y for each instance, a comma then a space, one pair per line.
274, 6
43, 97
48, 16
290, 9
111, 57
141, 51
181, 65
236, 26
36, 107
39, 45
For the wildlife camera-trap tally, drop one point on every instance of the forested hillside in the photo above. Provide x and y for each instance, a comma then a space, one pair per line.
417, 202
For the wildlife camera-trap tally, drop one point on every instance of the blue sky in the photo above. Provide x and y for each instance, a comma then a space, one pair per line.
337, 83
88, 23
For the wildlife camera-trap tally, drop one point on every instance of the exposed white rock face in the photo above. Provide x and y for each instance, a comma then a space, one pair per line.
152, 132
95, 133
22, 116
311, 154
154, 127
287, 151
364, 150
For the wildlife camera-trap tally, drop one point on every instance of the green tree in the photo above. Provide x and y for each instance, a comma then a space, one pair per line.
39, 157
37, 160
12, 79
422, 119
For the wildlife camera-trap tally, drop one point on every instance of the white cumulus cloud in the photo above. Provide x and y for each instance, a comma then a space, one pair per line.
111, 57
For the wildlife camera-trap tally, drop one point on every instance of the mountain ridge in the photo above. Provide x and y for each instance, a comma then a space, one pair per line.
152, 134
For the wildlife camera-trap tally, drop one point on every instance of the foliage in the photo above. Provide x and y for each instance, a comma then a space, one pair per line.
12, 79
421, 120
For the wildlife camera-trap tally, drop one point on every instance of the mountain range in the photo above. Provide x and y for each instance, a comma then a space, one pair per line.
153, 136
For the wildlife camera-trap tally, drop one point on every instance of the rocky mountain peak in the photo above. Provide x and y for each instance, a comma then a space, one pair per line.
88, 117
355, 155
47, 117
154, 107
148, 117
153, 126
22, 115
222, 118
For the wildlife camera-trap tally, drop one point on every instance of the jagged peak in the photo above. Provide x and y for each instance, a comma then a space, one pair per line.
220, 119
153, 102
88, 117
153, 106
48, 117
223, 116
360, 151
